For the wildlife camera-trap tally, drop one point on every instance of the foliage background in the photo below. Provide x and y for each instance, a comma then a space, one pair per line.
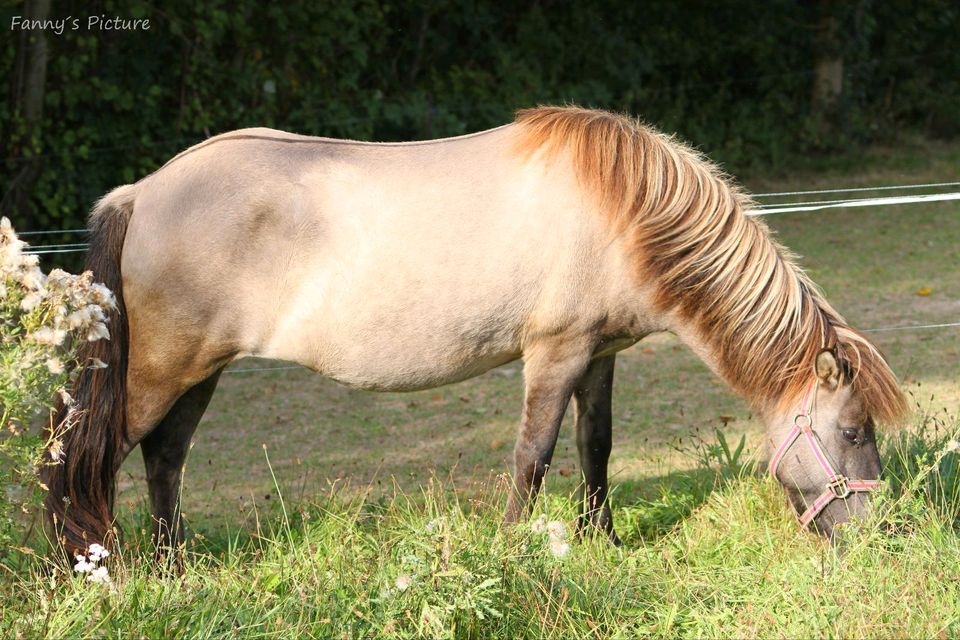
733, 77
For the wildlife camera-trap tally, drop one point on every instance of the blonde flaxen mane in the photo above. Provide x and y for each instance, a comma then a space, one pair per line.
712, 264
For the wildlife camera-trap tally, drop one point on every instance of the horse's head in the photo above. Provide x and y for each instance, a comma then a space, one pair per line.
824, 449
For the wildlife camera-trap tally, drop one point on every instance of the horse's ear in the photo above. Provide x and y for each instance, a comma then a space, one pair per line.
828, 369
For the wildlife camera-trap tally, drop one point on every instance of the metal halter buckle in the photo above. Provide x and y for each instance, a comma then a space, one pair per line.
839, 487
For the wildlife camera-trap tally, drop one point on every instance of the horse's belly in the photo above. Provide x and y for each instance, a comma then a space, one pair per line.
378, 372
375, 333
399, 356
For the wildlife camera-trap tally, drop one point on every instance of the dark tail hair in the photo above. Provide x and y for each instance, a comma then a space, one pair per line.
81, 488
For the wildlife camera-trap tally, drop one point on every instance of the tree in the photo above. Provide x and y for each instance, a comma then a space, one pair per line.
26, 93
827, 68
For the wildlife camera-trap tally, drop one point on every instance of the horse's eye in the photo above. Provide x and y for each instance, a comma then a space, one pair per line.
852, 435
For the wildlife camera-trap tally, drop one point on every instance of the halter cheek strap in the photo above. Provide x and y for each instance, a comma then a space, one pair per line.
838, 486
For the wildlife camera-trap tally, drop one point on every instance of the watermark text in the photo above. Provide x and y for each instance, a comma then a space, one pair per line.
59, 26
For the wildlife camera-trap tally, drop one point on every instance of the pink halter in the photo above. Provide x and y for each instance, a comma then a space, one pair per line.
838, 487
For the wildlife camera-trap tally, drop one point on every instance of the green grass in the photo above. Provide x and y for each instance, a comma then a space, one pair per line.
728, 560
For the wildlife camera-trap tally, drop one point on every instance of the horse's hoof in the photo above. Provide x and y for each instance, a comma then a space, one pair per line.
614, 538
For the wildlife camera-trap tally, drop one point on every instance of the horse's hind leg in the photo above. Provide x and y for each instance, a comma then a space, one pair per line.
550, 372
593, 408
164, 452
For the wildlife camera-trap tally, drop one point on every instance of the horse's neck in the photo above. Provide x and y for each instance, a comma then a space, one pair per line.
690, 335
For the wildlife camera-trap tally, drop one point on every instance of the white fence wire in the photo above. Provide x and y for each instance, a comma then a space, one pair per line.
915, 327
791, 207
896, 187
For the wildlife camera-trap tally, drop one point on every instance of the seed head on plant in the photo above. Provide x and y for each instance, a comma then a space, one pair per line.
43, 321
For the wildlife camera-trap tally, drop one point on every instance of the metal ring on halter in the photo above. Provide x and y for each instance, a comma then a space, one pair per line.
807, 418
839, 487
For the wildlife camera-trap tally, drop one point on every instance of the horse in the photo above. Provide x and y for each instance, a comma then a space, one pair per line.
560, 239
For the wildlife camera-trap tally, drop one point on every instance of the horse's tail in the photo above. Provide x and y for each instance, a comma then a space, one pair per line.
81, 487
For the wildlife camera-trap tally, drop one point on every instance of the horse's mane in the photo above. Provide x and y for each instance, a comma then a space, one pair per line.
712, 264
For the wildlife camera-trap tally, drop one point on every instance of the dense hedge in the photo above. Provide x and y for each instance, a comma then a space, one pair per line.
733, 77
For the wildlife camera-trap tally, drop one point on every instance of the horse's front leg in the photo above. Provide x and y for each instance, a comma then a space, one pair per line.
551, 371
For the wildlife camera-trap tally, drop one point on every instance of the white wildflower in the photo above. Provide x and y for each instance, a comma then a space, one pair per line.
11, 247
97, 332
100, 575
539, 525
403, 582
83, 566
953, 445
59, 279
54, 366
48, 336
79, 318
433, 525
32, 278
29, 260
3, 291
65, 397
56, 452
32, 300
556, 535
559, 548
6, 230
86, 317
97, 552
103, 296
555, 530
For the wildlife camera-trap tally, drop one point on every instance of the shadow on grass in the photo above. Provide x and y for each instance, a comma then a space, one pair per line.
647, 509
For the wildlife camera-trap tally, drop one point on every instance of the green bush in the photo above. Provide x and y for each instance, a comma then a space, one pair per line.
43, 319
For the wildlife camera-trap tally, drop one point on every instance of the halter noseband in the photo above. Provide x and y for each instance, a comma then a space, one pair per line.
838, 487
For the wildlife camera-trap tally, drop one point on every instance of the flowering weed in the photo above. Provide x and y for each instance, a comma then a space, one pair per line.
43, 320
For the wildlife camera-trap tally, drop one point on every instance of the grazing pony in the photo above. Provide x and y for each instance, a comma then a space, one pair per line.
561, 238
